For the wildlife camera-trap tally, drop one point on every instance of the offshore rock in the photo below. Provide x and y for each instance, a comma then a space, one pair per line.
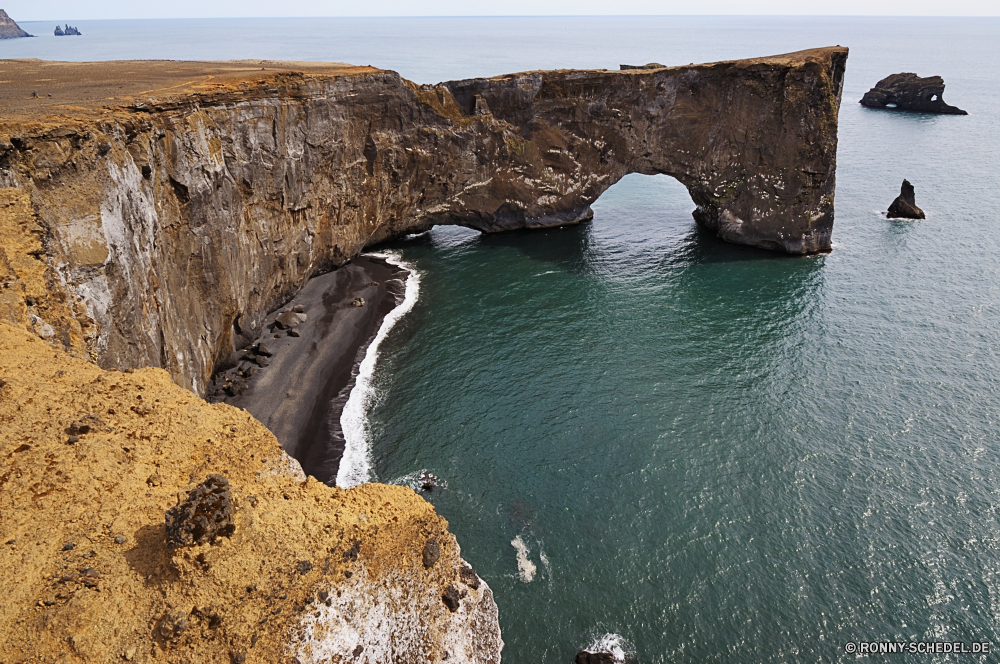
651, 65
68, 31
9, 29
909, 92
258, 180
905, 205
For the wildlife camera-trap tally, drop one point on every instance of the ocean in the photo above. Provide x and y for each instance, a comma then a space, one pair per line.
691, 450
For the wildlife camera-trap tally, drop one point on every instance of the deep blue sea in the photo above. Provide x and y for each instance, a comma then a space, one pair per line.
700, 451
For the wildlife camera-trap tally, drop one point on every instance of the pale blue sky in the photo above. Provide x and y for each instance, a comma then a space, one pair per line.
30, 10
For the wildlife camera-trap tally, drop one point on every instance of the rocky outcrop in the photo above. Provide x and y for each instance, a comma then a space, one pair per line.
178, 219
263, 566
67, 31
905, 205
9, 29
909, 92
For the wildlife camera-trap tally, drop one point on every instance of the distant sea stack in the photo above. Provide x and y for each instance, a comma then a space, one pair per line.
905, 205
68, 31
909, 92
9, 29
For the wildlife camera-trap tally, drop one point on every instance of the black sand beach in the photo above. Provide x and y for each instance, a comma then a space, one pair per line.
300, 392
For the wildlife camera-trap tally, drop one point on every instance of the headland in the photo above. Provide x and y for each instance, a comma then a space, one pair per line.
155, 215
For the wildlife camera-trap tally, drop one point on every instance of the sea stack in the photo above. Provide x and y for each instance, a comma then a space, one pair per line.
909, 92
67, 31
905, 206
9, 29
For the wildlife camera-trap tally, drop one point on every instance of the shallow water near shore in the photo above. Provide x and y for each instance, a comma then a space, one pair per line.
693, 450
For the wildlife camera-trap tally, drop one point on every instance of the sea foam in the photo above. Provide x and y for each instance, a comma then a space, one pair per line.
356, 464
610, 643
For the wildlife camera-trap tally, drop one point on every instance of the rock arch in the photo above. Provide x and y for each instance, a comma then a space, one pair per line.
754, 142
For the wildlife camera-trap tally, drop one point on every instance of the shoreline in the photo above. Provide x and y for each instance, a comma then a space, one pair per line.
306, 382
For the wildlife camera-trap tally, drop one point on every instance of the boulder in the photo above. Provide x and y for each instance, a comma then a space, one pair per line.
909, 92
905, 206
289, 319
206, 515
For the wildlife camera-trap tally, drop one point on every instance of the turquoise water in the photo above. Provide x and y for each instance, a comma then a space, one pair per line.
714, 452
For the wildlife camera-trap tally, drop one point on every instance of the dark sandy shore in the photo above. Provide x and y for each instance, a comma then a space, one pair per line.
300, 393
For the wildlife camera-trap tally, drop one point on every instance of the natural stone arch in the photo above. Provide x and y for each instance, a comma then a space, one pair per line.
754, 142
200, 210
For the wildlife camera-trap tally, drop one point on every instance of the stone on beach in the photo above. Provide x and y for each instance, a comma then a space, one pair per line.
289, 319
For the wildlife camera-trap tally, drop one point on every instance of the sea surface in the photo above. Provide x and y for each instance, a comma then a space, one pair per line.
697, 451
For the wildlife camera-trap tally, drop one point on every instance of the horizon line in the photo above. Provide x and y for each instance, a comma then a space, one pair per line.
460, 16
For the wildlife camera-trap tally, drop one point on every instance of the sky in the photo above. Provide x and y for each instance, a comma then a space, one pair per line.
37, 10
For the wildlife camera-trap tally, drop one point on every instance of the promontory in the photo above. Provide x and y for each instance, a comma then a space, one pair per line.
152, 214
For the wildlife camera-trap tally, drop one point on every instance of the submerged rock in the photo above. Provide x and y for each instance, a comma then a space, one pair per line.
427, 481
905, 206
909, 92
587, 657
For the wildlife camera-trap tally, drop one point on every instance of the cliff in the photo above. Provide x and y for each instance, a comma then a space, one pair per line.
9, 29
180, 202
91, 459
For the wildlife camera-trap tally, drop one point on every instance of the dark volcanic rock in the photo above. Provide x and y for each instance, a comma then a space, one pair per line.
905, 205
651, 65
67, 31
469, 577
451, 598
432, 553
909, 92
205, 515
9, 29
587, 657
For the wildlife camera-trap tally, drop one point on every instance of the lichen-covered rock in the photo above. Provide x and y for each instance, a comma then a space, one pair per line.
905, 205
909, 92
206, 515
83, 526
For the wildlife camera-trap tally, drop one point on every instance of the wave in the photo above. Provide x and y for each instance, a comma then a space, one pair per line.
610, 643
356, 464
526, 569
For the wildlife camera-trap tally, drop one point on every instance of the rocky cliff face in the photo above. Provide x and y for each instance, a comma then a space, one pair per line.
178, 219
9, 29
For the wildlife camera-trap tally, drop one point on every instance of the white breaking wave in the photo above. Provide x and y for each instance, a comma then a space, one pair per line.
526, 569
412, 480
612, 643
356, 464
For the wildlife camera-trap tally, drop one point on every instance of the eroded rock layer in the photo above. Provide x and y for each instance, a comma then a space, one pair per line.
181, 211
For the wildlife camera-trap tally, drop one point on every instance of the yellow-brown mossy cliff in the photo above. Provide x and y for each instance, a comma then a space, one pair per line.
312, 572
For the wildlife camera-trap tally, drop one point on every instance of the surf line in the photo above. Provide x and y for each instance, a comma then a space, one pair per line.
356, 463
